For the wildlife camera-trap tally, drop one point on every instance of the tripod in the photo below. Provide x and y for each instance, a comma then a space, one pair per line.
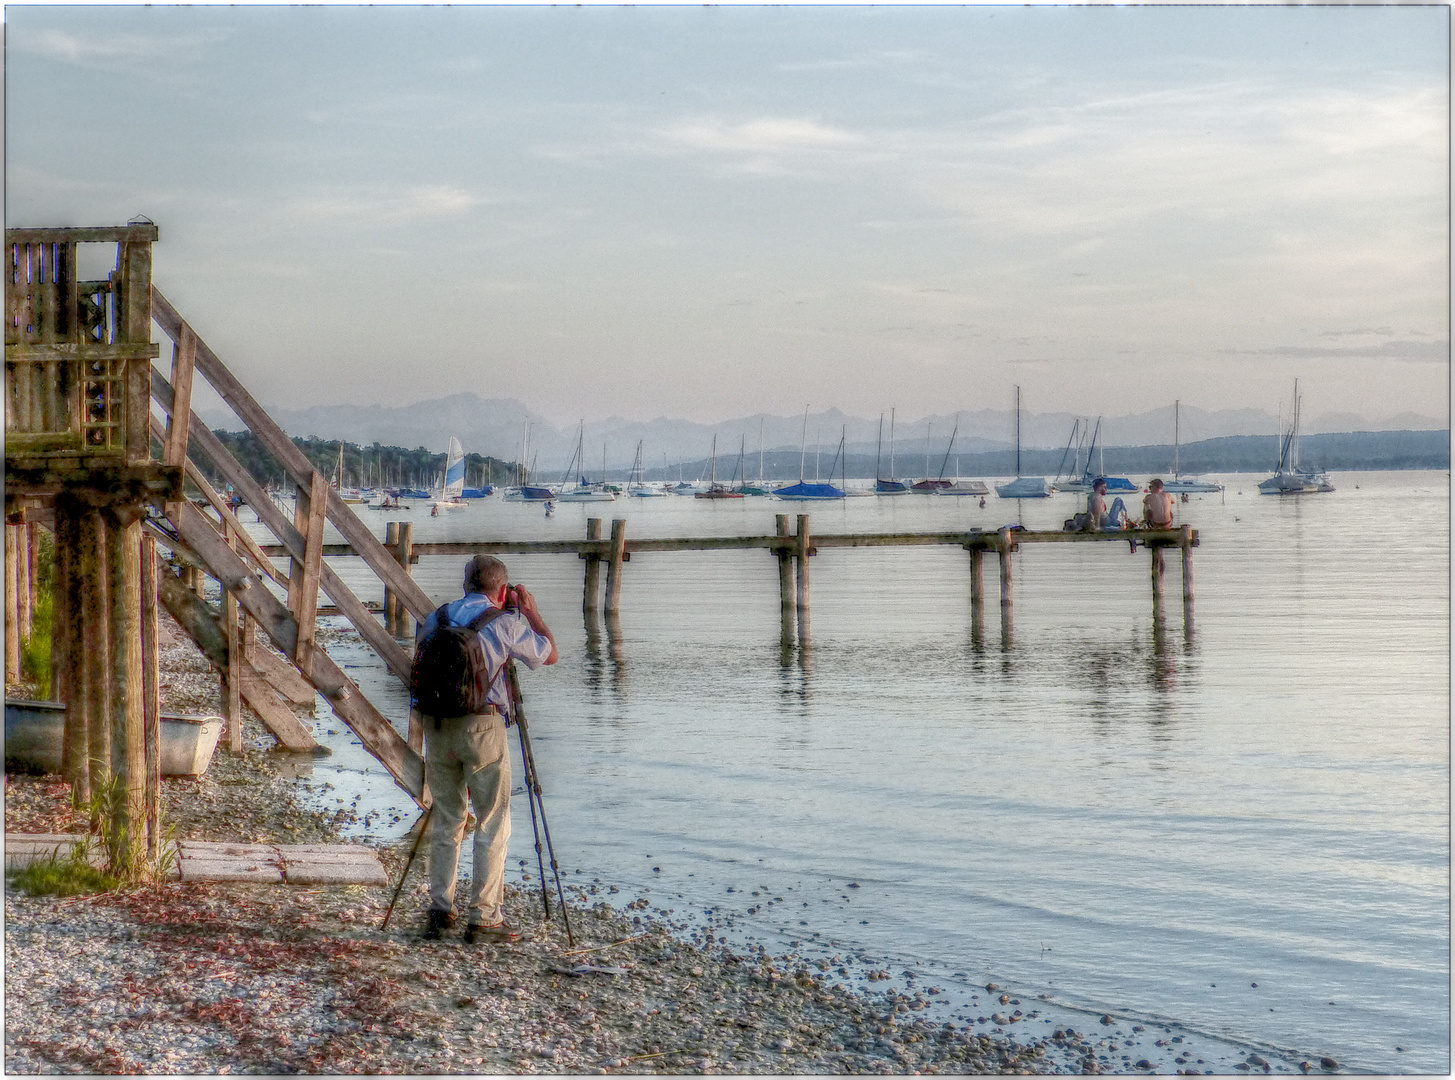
537, 802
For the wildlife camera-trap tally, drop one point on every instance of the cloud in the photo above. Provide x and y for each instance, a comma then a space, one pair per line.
114, 52
765, 135
387, 206
1424, 352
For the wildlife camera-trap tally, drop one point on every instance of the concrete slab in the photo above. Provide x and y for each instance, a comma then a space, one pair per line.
350, 873
211, 860
230, 870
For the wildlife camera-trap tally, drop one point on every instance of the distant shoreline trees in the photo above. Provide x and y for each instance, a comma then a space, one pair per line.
374, 465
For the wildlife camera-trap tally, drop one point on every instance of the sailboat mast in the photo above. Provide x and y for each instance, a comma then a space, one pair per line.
803, 445
892, 474
879, 449
760, 450
1176, 438
712, 483
1017, 430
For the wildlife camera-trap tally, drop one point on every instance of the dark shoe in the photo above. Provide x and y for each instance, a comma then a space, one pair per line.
439, 922
499, 934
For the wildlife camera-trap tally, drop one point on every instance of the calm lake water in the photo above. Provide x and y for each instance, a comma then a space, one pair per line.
1241, 834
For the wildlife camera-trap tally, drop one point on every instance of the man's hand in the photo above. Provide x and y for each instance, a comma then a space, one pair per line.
525, 603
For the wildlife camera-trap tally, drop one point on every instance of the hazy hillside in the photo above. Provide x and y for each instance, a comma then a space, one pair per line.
495, 427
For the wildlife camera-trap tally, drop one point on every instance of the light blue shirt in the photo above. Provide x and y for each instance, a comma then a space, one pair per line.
508, 637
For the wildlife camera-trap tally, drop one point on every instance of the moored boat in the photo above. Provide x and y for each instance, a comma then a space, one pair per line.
1022, 487
34, 731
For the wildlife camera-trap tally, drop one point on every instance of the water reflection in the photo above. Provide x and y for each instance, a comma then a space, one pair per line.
795, 670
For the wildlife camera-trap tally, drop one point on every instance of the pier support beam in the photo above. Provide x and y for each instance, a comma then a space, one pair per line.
786, 604
591, 588
151, 700
1005, 547
232, 674
94, 653
391, 602
68, 663
1187, 589
128, 731
1159, 566
804, 550
12, 605
613, 566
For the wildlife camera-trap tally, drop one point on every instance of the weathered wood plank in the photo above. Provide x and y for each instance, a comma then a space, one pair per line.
277, 443
293, 544
150, 692
128, 724
616, 557
305, 598
348, 703
184, 363
274, 710
232, 673
283, 677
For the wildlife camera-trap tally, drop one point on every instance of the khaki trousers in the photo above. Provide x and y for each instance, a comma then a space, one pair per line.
468, 753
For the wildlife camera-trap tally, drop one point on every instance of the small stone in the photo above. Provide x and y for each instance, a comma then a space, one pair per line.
1108, 1021
1144, 1064
1328, 1063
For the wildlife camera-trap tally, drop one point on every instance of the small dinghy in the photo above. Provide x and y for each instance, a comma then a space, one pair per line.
34, 730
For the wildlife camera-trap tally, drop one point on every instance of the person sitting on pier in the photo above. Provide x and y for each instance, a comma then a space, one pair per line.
469, 752
1157, 507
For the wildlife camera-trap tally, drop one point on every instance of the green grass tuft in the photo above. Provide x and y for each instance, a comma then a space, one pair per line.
55, 875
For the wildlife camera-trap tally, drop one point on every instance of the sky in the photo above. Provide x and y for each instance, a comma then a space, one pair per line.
707, 212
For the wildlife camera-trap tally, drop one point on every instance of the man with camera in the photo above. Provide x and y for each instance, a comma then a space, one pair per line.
466, 750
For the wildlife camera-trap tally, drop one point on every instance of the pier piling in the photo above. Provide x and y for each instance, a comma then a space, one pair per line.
804, 550
391, 602
786, 603
613, 567
591, 591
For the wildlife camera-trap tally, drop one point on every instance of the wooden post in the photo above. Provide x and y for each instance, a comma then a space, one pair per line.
151, 697
391, 602
590, 595
232, 675
977, 579
1187, 589
303, 581
128, 731
1158, 567
613, 567
94, 659
12, 604
1007, 588
405, 555
199, 582
24, 586
786, 603
804, 548
68, 664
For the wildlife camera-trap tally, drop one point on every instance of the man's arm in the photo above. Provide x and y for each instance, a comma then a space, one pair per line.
525, 603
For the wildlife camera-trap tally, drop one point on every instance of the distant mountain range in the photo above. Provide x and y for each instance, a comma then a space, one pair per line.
495, 427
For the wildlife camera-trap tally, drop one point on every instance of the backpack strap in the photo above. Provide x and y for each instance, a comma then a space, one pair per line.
479, 623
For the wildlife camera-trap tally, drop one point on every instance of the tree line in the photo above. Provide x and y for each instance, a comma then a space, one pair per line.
375, 465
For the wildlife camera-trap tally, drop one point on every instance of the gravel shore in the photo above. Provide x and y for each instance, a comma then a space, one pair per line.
247, 978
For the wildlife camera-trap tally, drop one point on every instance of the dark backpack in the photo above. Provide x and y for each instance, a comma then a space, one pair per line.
450, 675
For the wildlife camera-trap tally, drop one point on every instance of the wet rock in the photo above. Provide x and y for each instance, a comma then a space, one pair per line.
1328, 1063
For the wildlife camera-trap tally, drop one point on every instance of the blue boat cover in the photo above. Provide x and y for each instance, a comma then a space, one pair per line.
810, 491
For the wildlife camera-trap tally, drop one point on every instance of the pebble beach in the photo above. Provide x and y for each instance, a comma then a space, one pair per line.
227, 977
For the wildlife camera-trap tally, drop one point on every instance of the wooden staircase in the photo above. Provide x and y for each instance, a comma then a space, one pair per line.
224, 550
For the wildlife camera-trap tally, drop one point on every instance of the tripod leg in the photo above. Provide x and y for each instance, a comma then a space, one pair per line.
530, 794
423, 827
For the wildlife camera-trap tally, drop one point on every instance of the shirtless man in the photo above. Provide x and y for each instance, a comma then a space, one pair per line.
1157, 507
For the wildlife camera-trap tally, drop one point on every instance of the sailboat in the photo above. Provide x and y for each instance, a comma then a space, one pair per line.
1290, 479
1178, 484
1022, 487
759, 488
452, 488
349, 495
582, 492
636, 487
526, 491
1082, 484
957, 486
714, 489
805, 492
890, 485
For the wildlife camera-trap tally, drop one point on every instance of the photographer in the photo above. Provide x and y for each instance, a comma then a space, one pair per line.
470, 753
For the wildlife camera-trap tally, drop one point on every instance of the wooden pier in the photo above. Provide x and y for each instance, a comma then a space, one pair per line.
793, 550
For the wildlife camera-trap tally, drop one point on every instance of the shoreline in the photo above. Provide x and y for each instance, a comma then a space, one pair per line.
273, 978
248, 978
